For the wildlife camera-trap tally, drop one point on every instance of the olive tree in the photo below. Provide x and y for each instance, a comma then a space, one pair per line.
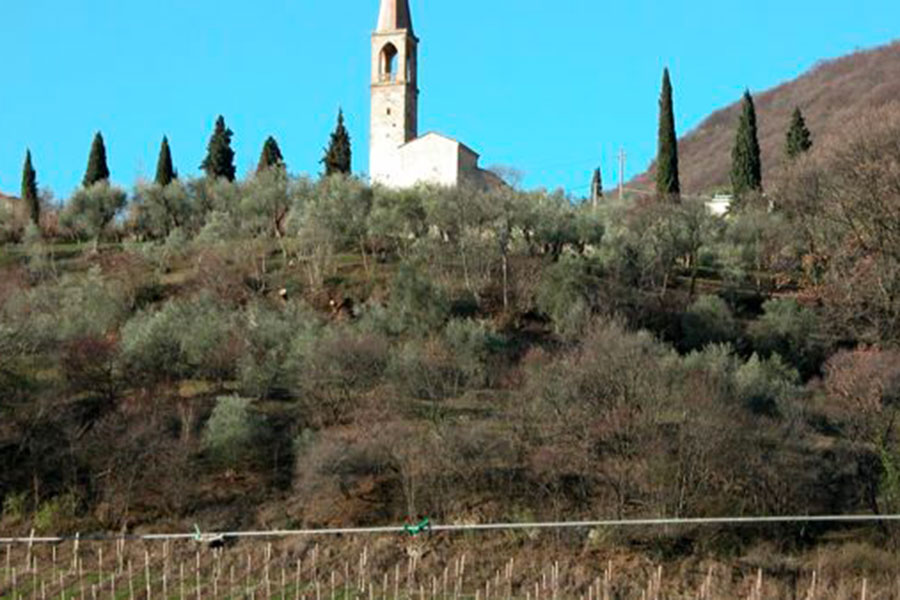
92, 209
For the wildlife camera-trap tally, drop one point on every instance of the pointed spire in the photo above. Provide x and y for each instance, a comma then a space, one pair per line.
394, 15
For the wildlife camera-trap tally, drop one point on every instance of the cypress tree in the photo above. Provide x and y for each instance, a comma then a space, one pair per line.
667, 183
97, 169
596, 187
219, 161
746, 164
270, 156
338, 155
29, 190
799, 139
165, 172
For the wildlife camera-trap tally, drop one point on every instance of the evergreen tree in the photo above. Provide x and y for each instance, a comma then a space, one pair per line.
165, 172
219, 161
337, 156
97, 169
799, 139
596, 186
667, 183
270, 156
29, 190
746, 163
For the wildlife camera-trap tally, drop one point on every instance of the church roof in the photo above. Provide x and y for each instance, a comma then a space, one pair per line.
394, 15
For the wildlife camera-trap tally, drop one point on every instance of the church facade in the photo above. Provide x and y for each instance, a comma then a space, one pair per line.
398, 156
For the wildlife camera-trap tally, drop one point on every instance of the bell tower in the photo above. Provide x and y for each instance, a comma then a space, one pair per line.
395, 91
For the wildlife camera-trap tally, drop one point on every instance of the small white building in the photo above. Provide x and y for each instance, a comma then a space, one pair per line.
398, 157
720, 204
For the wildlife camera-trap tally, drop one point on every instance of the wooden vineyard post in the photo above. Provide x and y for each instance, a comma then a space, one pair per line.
247, 578
297, 581
75, 550
81, 577
147, 583
811, 594
346, 580
130, 582
34, 578
28, 554
397, 580
197, 585
268, 580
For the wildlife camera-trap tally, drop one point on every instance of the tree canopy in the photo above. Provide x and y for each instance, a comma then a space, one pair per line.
30, 191
667, 183
97, 169
219, 161
746, 161
337, 157
165, 172
799, 139
271, 156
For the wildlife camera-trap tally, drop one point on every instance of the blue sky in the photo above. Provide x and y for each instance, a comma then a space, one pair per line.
552, 88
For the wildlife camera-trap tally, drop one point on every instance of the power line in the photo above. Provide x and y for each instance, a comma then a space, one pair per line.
609, 523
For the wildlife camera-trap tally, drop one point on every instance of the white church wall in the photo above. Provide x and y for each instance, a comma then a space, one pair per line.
430, 159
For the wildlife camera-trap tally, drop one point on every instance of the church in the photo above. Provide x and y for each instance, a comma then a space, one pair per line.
398, 156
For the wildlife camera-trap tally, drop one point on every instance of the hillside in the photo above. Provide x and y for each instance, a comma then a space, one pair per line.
830, 95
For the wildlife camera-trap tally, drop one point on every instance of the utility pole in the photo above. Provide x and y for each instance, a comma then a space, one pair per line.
621, 173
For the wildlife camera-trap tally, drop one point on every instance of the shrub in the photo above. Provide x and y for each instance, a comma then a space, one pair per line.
762, 384
789, 329
186, 338
425, 369
276, 342
91, 210
14, 507
231, 432
707, 321
416, 306
56, 513
158, 210
335, 369
472, 345
567, 295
